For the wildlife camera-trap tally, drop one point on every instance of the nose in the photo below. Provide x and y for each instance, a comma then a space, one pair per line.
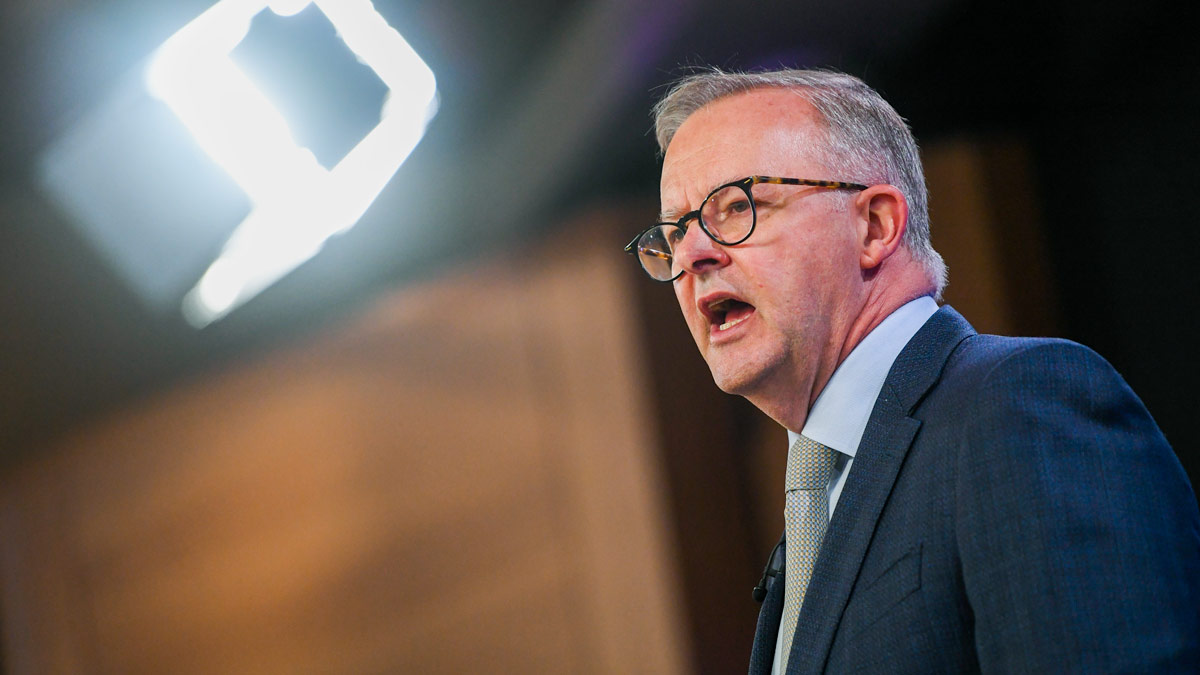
697, 253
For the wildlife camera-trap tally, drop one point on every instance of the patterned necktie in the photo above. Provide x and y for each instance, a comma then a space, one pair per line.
805, 515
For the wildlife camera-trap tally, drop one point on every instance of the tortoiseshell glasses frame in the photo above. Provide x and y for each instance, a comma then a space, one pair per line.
722, 216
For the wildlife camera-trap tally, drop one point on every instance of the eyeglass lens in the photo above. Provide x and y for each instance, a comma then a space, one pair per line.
656, 251
727, 216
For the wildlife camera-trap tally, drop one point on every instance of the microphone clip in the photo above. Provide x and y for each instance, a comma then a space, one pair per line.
773, 569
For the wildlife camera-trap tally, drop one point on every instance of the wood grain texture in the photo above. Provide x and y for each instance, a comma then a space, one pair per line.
462, 480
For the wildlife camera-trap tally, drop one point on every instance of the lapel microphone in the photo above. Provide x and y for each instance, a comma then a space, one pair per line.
773, 569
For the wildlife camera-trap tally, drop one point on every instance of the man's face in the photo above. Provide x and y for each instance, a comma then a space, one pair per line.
769, 314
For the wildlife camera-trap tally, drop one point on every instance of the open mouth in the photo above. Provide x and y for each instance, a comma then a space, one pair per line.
728, 312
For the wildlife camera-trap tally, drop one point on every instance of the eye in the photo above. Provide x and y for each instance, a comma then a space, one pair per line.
728, 202
674, 236
739, 206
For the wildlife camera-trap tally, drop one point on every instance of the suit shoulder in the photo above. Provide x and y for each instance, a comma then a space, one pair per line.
1072, 513
995, 352
1039, 397
987, 365
1031, 394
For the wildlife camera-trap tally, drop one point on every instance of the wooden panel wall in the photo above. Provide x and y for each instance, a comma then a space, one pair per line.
464, 480
986, 224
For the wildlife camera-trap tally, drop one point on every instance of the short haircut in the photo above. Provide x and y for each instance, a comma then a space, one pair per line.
867, 141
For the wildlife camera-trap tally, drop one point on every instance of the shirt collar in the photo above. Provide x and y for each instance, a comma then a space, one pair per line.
839, 416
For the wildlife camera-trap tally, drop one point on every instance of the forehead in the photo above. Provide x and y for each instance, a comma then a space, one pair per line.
763, 131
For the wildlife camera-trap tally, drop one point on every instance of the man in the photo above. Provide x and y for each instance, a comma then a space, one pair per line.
955, 502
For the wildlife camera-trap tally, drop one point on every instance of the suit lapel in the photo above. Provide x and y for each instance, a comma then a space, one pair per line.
888, 436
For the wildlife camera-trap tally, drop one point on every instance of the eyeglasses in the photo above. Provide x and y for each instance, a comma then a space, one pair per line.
727, 215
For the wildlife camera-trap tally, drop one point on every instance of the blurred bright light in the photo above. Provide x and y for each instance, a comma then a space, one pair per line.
297, 203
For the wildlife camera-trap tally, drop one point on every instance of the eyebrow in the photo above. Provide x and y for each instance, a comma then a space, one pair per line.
671, 217
668, 216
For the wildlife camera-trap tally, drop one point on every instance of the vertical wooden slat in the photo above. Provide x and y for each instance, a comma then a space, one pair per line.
986, 225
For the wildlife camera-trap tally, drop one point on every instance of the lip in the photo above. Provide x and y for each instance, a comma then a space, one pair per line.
704, 304
716, 334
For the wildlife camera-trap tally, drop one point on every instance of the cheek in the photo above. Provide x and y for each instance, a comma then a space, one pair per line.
818, 261
799, 286
784, 274
681, 294
685, 297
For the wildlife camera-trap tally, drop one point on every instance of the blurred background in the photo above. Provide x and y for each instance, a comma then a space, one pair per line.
468, 435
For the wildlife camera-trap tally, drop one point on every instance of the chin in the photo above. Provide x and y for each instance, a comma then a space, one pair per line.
740, 381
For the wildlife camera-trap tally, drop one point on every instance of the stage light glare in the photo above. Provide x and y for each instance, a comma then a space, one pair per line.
297, 203
217, 290
288, 7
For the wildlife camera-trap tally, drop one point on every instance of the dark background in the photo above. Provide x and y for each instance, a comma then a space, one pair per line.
544, 113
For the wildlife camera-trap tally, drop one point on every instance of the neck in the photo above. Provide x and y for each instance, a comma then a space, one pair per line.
788, 403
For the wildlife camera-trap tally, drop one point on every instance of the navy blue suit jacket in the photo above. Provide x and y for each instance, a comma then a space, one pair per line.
1012, 508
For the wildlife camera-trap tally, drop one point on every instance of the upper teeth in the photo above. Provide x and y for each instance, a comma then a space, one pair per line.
716, 306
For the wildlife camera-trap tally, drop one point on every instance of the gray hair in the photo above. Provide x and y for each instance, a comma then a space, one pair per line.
867, 141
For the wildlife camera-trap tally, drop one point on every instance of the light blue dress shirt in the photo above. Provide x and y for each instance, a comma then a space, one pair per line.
839, 416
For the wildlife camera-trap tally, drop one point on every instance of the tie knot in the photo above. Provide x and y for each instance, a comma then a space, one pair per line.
809, 465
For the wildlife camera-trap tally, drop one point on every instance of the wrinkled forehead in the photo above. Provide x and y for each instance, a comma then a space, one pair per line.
764, 131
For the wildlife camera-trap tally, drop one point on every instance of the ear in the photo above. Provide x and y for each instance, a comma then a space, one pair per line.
883, 212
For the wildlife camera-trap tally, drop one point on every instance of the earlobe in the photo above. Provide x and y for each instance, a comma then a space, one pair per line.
884, 212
